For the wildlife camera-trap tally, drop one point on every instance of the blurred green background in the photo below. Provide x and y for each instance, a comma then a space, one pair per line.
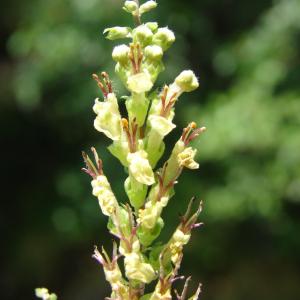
246, 54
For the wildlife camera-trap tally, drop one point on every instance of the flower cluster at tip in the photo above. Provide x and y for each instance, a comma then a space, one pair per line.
138, 143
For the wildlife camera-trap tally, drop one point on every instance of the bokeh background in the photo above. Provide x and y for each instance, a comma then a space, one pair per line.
246, 54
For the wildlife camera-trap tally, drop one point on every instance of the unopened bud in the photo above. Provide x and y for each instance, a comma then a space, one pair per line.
154, 52
187, 81
147, 6
164, 37
152, 26
117, 32
120, 54
142, 34
130, 6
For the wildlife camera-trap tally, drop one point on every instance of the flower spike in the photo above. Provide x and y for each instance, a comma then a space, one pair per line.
137, 131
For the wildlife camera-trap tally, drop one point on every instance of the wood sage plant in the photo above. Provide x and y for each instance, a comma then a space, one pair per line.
138, 143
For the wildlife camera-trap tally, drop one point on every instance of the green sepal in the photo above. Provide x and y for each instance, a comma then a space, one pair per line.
155, 69
154, 155
154, 256
123, 220
146, 297
117, 151
136, 192
137, 107
146, 237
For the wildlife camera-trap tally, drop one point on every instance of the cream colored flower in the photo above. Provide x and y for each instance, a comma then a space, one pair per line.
186, 158
139, 167
178, 240
161, 125
135, 247
102, 190
149, 215
181, 238
159, 295
139, 83
113, 275
136, 269
108, 120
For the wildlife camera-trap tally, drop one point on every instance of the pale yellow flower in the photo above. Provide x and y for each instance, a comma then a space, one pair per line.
139, 167
136, 269
139, 83
108, 120
186, 158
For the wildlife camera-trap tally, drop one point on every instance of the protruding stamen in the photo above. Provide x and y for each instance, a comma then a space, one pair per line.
131, 133
107, 81
167, 105
136, 57
191, 132
106, 85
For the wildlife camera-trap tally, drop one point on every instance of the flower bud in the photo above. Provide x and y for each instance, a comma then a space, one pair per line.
142, 34
120, 54
139, 83
164, 38
130, 6
152, 26
139, 167
117, 32
187, 81
186, 158
153, 52
147, 6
